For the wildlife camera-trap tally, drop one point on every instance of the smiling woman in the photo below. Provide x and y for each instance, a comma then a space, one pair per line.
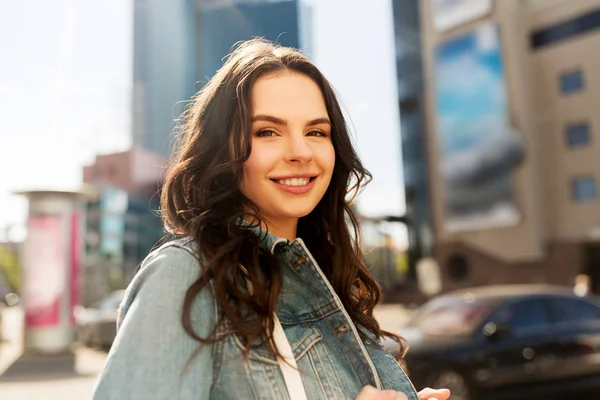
292, 158
264, 294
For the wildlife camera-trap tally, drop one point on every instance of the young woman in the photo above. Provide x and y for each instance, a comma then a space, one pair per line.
264, 293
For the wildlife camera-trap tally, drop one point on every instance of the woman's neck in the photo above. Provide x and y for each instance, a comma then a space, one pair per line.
284, 228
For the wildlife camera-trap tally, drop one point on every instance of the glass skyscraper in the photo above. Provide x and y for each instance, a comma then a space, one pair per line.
407, 29
180, 44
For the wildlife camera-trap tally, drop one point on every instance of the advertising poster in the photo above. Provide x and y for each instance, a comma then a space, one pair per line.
479, 149
44, 271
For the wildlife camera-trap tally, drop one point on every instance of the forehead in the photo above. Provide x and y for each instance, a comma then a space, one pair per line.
288, 94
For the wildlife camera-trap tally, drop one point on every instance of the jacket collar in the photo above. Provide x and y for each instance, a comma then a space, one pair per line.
268, 241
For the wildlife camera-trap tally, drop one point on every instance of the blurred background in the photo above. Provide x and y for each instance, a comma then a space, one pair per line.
477, 118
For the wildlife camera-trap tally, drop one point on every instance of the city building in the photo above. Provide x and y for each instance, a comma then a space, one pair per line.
409, 70
179, 45
506, 134
122, 221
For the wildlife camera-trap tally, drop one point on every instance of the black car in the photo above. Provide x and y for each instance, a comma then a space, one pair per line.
507, 342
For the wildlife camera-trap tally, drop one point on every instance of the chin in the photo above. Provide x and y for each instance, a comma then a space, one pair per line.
294, 213
298, 214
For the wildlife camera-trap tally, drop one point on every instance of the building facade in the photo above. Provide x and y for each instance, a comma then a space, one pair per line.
122, 221
512, 137
179, 45
409, 68
163, 68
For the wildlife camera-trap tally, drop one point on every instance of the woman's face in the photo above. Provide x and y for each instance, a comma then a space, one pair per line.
292, 156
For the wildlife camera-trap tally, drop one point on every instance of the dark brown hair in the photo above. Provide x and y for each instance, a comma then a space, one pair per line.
201, 198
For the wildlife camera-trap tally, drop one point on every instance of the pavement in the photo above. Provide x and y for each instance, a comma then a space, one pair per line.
72, 376
35, 377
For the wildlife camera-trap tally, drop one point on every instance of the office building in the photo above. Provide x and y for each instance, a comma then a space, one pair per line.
511, 134
179, 45
122, 221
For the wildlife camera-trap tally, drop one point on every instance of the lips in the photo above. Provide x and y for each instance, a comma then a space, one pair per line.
295, 184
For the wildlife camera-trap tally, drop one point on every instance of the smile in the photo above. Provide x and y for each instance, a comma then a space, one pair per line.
294, 182
295, 185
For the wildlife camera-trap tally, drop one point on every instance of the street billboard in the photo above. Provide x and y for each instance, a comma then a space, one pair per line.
479, 150
44, 267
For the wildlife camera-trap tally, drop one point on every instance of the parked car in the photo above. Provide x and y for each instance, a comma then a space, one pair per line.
506, 342
97, 324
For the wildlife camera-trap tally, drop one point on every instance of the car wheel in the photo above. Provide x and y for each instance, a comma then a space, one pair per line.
455, 381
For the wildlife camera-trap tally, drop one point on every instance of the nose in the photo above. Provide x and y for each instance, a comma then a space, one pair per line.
299, 149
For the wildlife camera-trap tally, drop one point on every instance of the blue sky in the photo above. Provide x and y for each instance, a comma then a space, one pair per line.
65, 79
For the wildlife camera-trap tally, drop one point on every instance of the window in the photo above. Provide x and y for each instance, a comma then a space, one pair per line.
458, 267
566, 310
571, 82
566, 30
578, 135
525, 317
583, 189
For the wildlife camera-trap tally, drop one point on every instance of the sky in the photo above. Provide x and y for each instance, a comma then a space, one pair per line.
65, 85
361, 65
65, 79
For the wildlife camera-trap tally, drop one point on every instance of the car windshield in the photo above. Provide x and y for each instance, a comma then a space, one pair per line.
449, 316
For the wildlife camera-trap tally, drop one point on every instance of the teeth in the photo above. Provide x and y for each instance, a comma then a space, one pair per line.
294, 182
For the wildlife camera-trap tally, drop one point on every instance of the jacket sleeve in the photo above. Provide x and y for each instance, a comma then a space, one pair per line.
149, 355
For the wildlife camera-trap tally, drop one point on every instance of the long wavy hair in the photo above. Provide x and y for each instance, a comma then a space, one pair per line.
201, 198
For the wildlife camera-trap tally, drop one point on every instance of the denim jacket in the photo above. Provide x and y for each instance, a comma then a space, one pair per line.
150, 354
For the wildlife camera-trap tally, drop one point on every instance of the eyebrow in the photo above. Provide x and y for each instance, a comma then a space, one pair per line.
282, 122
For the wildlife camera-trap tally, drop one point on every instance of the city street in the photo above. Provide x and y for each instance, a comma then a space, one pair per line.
57, 377
446, 151
73, 377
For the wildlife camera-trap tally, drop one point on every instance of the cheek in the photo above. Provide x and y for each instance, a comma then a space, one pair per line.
328, 159
251, 173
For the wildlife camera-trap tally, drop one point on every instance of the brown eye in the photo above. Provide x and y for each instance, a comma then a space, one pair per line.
265, 133
317, 133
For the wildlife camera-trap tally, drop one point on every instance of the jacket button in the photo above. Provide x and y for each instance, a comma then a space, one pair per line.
341, 328
299, 261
